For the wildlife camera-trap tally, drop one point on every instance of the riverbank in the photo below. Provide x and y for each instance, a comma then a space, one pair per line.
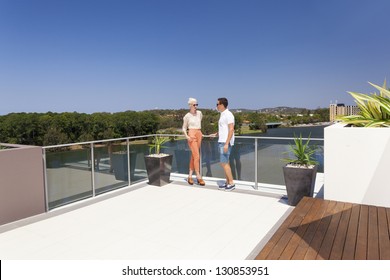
313, 129
313, 124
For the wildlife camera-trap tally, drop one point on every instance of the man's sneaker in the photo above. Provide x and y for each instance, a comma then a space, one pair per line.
230, 187
222, 187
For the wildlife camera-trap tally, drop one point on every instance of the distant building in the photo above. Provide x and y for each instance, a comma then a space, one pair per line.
339, 109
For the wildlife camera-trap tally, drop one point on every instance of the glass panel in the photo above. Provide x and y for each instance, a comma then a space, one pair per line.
181, 155
138, 149
270, 155
210, 158
69, 176
242, 159
270, 165
319, 155
110, 166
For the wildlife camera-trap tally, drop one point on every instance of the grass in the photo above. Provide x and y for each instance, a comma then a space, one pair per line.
245, 130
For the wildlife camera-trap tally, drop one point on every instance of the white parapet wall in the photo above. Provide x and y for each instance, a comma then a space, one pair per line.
357, 164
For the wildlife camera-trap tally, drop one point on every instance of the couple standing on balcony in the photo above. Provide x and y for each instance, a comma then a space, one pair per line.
192, 131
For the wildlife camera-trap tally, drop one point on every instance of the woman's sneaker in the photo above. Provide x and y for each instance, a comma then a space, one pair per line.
222, 187
230, 187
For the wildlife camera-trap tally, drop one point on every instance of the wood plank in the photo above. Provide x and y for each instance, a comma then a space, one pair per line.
350, 241
327, 244
372, 236
319, 235
323, 229
341, 233
269, 247
361, 239
289, 232
388, 220
307, 239
384, 234
300, 231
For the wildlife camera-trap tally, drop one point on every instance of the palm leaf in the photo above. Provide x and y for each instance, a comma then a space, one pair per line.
374, 109
382, 89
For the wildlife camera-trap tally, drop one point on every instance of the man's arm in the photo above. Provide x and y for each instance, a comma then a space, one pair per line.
229, 137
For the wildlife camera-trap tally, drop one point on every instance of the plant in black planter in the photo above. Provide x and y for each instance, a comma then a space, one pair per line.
300, 171
158, 165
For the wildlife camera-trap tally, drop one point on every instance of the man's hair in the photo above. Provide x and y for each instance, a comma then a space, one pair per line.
224, 101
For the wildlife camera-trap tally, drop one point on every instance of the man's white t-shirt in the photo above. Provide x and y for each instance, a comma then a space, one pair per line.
225, 119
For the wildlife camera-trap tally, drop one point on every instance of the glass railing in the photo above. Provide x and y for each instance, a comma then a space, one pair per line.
84, 170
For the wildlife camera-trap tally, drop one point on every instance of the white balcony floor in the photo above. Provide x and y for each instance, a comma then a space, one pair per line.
145, 222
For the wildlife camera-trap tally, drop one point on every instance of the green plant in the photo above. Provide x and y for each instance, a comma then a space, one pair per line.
157, 144
303, 153
374, 109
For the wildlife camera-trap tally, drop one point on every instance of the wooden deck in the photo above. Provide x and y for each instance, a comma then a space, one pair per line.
320, 229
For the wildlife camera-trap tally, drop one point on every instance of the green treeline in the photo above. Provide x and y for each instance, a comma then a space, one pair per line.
43, 129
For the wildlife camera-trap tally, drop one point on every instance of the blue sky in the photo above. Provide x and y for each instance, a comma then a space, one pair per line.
116, 55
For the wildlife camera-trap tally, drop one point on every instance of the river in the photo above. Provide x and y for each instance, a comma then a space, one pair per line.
314, 131
270, 154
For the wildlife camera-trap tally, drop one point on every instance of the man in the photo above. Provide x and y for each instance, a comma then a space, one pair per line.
225, 141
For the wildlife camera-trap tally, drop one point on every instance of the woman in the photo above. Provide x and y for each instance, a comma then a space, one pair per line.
192, 131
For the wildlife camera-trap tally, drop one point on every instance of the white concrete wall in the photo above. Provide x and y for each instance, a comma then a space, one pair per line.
357, 165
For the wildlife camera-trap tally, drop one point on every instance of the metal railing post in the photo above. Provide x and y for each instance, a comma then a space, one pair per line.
45, 180
128, 161
200, 162
93, 170
256, 164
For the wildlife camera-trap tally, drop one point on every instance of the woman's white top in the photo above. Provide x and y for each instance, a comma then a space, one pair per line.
192, 121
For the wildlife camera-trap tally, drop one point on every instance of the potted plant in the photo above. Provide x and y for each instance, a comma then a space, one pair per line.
357, 152
300, 171
158, 165
374, 110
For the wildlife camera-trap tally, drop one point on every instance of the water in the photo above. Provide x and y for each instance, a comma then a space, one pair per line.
271, 153
306, 131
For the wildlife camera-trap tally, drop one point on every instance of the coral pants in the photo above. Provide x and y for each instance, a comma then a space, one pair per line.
194, 144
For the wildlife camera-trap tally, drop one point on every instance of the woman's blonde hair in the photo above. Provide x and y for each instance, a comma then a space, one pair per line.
192, 101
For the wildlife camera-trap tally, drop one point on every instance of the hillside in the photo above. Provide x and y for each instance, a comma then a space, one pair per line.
282, 110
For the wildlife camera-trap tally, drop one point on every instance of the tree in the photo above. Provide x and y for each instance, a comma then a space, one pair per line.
257, 122
55, 137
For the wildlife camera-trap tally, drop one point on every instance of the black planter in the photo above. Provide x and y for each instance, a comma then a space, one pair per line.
120, 165
299, 183
158, 169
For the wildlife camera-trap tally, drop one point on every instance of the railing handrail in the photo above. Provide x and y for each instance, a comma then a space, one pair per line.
172, 135
98, 141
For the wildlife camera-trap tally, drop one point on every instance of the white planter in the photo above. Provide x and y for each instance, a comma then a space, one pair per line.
357, 164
